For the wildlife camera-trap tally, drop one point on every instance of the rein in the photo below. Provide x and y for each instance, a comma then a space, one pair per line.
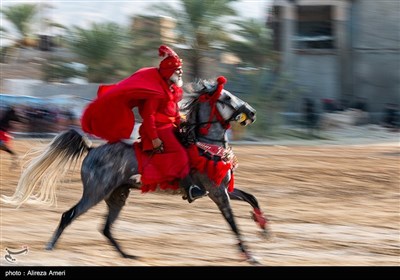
213, 99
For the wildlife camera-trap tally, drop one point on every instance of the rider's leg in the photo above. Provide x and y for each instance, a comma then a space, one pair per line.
4, 147
14, 161
193, 191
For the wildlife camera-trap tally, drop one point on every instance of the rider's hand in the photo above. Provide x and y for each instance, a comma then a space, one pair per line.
158, 145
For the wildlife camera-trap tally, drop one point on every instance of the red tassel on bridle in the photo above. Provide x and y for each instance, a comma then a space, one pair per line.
213, 100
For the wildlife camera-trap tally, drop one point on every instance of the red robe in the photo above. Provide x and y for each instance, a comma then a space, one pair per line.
110, 117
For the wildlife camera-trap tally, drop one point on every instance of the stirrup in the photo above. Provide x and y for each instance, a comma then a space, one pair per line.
194, 193
137, 178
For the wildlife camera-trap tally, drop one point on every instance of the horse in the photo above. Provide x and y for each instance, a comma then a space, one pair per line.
112, 183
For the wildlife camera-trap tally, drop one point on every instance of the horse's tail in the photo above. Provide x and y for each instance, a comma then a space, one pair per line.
43, 171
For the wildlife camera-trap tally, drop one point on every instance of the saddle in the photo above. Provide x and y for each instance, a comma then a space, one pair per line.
217, 153
186, 136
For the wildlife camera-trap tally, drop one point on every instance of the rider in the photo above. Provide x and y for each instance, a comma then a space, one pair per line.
163, 161
5, 124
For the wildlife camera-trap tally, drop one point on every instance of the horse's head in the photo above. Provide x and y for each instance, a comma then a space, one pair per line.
213, 108
233, 108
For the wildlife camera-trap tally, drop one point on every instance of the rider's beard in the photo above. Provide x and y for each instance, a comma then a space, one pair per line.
177, 79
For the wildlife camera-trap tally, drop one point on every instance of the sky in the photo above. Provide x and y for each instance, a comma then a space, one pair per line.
83, 13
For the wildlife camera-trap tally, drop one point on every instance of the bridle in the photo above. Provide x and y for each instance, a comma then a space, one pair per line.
203, 127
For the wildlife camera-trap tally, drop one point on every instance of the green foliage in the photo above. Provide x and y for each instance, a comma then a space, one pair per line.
21, 16
98, 47
59, 71
140, 48
253, 45
200, 27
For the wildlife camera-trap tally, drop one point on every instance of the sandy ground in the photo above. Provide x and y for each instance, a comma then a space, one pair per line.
328, 205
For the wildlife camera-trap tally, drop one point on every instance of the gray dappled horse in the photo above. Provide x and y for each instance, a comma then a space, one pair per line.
108, 171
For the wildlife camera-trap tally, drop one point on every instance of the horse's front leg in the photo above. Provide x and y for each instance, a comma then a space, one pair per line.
220, 196
257, 214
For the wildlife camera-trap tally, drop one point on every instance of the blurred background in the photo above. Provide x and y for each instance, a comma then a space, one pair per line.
306, 66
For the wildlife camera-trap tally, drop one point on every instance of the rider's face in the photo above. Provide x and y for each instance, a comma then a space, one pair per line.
176, 78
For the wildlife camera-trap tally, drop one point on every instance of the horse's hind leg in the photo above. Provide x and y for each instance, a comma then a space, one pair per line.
257, 214
67, 217
115, 202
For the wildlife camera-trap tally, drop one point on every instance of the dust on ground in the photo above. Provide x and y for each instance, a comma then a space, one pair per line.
328, 205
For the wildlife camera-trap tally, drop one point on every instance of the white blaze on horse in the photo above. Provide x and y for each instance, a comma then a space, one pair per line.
208, 115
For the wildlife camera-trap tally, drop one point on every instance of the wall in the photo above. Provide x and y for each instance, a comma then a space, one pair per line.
318, 74
376, 52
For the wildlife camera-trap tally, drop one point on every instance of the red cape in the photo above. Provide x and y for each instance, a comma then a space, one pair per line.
110, 115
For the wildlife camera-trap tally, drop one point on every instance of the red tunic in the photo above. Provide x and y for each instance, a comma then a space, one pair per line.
160, 120
110, 117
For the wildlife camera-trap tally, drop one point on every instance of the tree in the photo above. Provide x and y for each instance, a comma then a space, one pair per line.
97, 47
21, 16
140, 45
200, 27
253, 44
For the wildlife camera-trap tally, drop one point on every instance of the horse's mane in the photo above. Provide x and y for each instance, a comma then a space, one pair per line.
193, 92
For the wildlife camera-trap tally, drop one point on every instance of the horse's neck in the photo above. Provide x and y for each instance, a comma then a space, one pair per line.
216, 136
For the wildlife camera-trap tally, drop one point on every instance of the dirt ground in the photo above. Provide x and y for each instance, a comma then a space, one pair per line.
328, 205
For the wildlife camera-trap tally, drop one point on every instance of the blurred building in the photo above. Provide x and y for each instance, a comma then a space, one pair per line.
340, 49
153, 28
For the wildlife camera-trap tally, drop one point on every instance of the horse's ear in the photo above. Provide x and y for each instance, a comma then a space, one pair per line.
207, 87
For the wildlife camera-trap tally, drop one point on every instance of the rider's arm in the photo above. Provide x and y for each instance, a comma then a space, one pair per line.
177, 117
148, 114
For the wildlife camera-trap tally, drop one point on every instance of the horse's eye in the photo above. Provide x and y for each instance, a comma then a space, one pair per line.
227, 97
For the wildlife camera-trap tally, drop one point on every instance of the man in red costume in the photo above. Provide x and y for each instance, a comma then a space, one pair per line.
163, 161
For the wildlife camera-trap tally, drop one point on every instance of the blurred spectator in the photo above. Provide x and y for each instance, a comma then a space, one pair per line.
310, 115
6, 122
42, 120
391, 116
360, 104
329, 105
359, 111
342, 105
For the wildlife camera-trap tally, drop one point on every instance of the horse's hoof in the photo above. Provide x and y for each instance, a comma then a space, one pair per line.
132, 257
49, 247
259, 218
267, 234
252, 260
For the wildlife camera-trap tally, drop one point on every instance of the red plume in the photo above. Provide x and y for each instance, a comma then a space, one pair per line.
165, 50
221, 80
